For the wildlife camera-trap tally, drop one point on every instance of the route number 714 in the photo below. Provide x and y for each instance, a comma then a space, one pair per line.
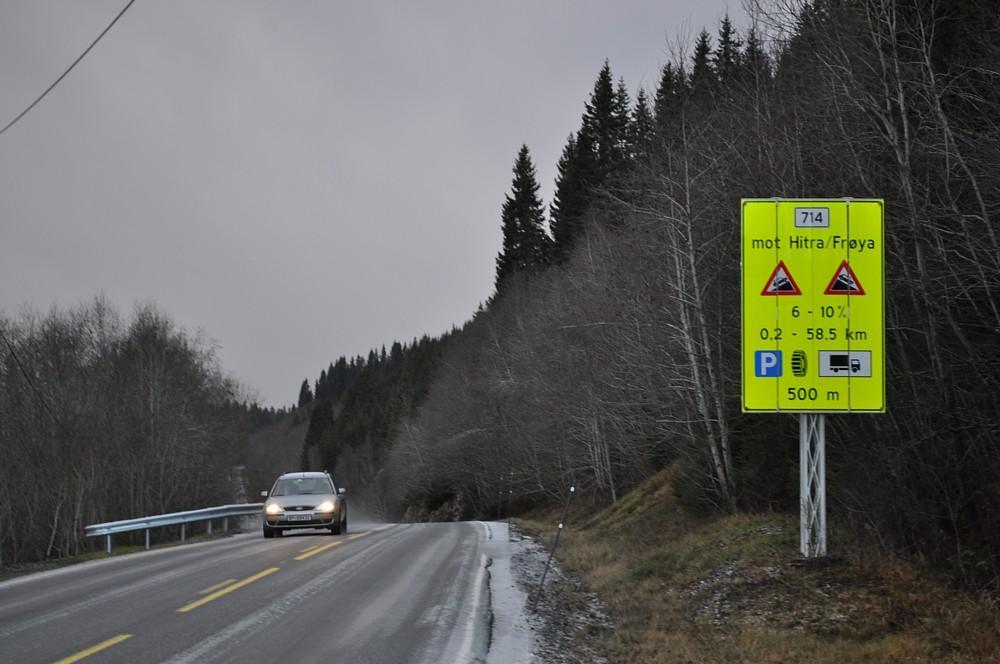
810, 217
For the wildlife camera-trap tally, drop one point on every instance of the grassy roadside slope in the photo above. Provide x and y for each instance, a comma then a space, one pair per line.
733, 589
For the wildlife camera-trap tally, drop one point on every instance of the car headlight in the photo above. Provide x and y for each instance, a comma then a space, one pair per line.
273, 508
325, 506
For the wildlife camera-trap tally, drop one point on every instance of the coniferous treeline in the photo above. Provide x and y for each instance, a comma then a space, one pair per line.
611, 346
261, 416
622, 355
359, 405
334, 381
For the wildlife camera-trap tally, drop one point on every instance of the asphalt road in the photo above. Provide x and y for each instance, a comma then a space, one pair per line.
400, 593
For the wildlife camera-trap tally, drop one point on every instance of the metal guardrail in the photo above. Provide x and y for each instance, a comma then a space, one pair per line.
176, 518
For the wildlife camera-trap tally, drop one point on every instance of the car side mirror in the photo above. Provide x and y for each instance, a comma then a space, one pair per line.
263, 494
341, 491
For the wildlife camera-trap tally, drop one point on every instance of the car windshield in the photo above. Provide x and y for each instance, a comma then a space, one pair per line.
297, 486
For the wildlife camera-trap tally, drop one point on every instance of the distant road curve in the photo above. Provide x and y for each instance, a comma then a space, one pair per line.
380, 594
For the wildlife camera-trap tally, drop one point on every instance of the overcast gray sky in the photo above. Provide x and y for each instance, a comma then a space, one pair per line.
301, 180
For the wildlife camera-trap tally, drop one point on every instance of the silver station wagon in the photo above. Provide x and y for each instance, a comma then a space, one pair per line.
304, 500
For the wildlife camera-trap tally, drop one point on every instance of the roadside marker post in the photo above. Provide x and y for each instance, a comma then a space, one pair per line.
499, 497
510, 500
813, 325
552, 551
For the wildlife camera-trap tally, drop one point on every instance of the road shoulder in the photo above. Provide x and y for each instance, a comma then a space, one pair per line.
557, 629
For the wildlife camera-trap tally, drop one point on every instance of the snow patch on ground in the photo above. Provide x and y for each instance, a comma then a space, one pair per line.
556, 630
512, 634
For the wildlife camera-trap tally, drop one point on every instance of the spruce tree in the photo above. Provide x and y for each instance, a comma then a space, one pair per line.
727, 53
621, 120
571, 196
342, 378
641, 128
755, 65
671, 83
322, 387
702, 76
506, 261
305, 393
525, 244
605, 121
591, 159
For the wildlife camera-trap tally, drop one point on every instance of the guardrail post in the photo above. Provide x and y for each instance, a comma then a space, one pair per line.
108, 546
225, 524
209, 526
183, 532
147, 539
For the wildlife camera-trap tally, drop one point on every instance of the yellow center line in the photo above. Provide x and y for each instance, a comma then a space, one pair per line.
216, 586
228, 589
319, 549
94, 649
353, 537
309, 548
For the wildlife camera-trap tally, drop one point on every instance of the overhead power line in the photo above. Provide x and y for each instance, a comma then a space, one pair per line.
27, 376
68, 70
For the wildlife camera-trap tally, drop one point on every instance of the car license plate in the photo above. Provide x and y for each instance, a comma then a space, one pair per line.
299, 517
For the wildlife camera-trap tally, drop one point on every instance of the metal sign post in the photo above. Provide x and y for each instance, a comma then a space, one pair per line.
813, 325
812, 485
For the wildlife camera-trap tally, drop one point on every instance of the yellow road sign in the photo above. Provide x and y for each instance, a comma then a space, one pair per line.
813, 307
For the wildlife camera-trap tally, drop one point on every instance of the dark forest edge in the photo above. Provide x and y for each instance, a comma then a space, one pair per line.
106, 417
611, 346
610, 349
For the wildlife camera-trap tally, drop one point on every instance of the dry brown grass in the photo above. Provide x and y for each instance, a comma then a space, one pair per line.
731, 589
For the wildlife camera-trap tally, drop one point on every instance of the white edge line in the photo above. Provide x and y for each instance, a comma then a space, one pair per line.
465, 651
71, 568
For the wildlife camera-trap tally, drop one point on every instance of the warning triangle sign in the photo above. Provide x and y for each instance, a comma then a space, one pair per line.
844, 282
781, 282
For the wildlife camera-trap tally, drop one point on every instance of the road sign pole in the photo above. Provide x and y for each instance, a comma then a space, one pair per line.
813, 325
812, 485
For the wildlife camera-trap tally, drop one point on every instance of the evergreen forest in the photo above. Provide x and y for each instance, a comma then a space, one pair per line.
610, 348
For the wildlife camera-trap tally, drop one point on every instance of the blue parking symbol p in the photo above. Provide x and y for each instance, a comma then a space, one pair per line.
767, 363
